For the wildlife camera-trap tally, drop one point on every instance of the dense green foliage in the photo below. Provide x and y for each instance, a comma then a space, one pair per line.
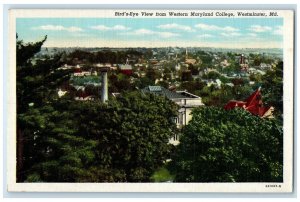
133, 140
57, 152
229, 146
125, 140
162, 175
273, 87
213, 96
63, 140
205, 58
37, 83
115, 57
36, 87
215, 75
119, 83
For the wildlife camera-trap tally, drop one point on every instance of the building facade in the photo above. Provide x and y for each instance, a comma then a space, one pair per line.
186, 102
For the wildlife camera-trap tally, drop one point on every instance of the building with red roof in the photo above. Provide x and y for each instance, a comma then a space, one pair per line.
126, 69
253, 104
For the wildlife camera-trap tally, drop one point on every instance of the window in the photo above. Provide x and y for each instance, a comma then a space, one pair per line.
181, 118
176, 137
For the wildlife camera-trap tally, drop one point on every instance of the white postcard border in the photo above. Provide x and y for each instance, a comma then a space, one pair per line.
286, 186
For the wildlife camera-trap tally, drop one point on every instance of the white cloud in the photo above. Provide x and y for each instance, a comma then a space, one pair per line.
205, 36
232, 34
216, 28
207, 27
141, 32
252, 34
101, 27
167, 34
176, 26
278, 30
259, 28
59, 28
80, 34
113, 28
229, 29
120, 27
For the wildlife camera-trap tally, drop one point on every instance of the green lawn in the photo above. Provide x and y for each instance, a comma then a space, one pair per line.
162, 175
82, 80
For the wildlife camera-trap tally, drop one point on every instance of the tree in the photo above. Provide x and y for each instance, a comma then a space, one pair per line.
215, 75
133, 142
233, 67
272, 85
229, 146
186, 75
144, 82
36, 86
213, 96
77, 142
152, 74
193, 87
194, 69
257, 60
212, 75
205, 57
58, 152
64, 140
119, 83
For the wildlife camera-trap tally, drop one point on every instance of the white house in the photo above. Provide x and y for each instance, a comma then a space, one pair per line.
186, 102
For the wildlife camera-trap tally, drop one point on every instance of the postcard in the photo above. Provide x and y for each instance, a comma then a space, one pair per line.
141, 100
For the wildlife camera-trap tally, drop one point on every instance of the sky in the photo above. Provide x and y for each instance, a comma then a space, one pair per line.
153, 32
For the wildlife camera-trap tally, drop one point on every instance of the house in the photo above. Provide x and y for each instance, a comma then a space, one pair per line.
177, 67
153, 61
65, 67
224, 63
79, 72
210, 82
82, 73
256, 71
190, 61
185, 100
126, 69
264, 66
85, 98
243, 63
253, 104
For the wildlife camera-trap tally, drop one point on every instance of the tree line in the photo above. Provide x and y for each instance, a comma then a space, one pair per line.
114, 57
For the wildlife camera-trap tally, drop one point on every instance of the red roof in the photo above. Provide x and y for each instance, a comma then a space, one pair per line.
77, 70
233, 103
126, 71
253, 104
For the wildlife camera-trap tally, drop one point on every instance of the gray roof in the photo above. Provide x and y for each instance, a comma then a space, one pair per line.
123, 67
154, 88
159, 90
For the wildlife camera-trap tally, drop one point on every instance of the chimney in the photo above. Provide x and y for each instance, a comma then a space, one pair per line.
104, 91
